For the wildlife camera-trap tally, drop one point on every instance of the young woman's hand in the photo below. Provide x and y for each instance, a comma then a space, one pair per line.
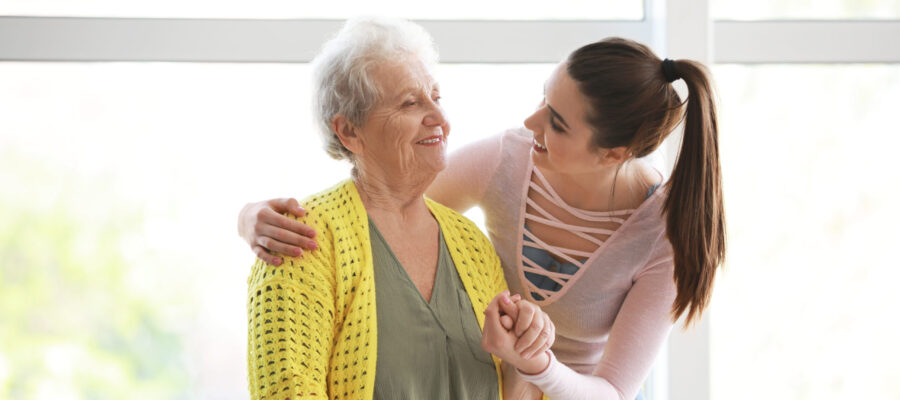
518, 332
267, 231
533, 327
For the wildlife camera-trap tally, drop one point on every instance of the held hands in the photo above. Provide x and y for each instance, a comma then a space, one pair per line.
267, 231
518, 332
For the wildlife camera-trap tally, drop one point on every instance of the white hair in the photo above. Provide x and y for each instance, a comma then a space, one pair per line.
342, 80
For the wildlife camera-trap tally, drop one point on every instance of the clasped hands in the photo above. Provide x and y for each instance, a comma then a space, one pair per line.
518, 332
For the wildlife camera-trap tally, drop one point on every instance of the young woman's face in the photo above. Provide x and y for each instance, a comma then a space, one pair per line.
562, 136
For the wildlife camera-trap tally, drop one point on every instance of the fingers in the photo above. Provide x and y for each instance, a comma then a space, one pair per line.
527, 313
530, 354
548, 337
263, 225
541, 343
266, 256
492, 327
493, 309
274, 246
284, 205
272, 217
289, 224
551, 330
285, 230
529, 339
284, 241
507, 306
294, 208
507, 322
545, 340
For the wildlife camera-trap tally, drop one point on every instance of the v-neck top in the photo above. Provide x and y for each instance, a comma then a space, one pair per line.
426, 350
625, 286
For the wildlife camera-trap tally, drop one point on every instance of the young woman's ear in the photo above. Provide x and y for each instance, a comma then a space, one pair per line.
347, 134
614, 155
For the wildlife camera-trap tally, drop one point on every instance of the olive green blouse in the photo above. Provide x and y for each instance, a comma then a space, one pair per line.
426, 350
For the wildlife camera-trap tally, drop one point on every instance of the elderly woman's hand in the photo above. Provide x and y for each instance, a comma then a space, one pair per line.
518, 332
267, 231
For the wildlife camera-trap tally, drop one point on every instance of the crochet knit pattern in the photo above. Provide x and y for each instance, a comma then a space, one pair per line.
312, 321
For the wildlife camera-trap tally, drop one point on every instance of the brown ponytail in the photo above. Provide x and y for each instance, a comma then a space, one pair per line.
695, 221
632, 103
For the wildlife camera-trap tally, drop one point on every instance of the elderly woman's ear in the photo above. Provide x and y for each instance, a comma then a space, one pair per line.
346, 133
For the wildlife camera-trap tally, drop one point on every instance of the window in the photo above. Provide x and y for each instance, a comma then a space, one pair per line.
460, 9
801, 309
120, 188
804, 9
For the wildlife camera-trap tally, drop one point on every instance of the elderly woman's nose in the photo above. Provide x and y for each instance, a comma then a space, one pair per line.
435, 116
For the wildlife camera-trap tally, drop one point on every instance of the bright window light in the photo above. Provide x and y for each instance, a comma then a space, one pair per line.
805, 306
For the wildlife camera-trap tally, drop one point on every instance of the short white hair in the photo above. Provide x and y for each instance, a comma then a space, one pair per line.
342, 80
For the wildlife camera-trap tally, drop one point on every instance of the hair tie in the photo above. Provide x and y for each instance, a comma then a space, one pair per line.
669, 71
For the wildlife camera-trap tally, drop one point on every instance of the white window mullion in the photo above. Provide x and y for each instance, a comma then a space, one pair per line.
686, 358
224, 40
783, 42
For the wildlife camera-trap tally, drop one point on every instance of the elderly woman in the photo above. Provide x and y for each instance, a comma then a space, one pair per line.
393, 301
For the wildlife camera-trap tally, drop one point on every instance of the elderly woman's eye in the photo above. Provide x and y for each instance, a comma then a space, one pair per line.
409, 103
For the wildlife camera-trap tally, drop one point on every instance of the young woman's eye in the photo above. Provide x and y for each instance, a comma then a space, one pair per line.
555, 126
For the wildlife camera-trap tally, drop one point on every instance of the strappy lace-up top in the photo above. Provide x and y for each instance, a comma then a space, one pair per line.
624, 285
546, 276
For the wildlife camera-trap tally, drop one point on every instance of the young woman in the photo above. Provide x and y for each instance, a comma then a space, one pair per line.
583, 226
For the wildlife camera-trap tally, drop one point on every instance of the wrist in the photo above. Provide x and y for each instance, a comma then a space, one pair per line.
241, 226
536, 365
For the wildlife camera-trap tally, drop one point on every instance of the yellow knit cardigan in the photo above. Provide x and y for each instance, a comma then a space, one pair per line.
312, 322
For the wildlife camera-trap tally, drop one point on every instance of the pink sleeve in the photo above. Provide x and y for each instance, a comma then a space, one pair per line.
641, 326
559, 382
462, 184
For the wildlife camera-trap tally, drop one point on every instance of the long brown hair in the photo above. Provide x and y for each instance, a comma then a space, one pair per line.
632, 103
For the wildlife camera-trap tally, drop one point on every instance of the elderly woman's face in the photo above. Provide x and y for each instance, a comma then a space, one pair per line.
406, 133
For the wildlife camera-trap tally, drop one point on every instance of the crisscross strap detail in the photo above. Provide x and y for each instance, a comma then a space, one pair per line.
545, 279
